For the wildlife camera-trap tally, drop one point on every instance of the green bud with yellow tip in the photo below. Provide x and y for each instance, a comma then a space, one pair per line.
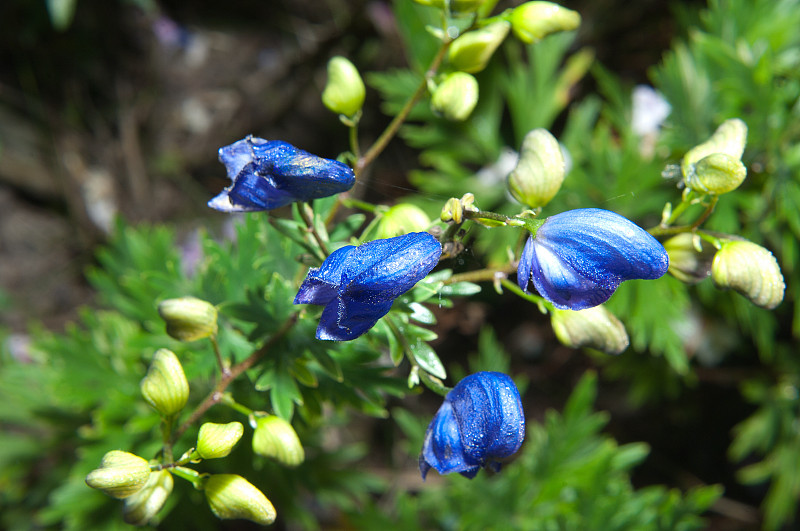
143, 506
689, 257
532, 21
471, 51
456, 97
729, 139
121, 474
165, 386
594, 327
188, 318
344, 92
275, 438
402, 219
540, 170
230, 496
751, 270
217, 440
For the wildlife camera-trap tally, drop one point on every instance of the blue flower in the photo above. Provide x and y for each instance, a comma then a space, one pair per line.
357, 285
579, 257
268, 174
480, 422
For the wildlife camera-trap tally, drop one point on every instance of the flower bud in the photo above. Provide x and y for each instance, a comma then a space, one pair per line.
751, 270
689, 259
217, 440
188, 318
540, 170
231, 496
716, 174
275, 438
455, 97
402, 219
471, 51
344, 93
532, 21
456, 6
165, 387
729, 139
144, 505
120, 475
594, 327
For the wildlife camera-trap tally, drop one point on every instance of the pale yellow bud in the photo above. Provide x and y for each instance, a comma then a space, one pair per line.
275, 438
121, 474
540, 170
231, 496
729, 139
188, 318
402, 219
594, 328
456, 97
471, 51
165, 387
751, 270
689, 257
217, 440
144, 505
716, 174
532, 21
344, 93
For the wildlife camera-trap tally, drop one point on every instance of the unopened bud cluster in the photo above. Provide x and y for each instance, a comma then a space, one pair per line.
230, 496
217, 440
188, 318
275, 438
121, 474
715, 166
750, 270
165, 386
540, 171
593, 327
344, 92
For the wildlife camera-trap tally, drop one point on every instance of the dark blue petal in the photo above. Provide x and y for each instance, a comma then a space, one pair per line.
270, 174
359, 285
579, 257
322, 283
480, 422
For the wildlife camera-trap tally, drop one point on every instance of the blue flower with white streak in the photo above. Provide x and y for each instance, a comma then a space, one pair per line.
268, 174
480, 422
357, 285
579, 257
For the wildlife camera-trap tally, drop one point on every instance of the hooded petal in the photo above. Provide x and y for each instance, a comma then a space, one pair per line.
480, 421
270, 174
579, 257
322, 283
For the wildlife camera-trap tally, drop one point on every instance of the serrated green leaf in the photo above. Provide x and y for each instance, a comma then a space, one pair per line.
427, 359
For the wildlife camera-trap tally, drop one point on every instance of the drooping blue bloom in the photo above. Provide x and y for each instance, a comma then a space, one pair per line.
579, 257
268, 174
480, 422
358, 285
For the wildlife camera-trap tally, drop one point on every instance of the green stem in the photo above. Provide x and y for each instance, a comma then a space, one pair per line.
222, 367
394, 126
543, 304
481, 275
228, 400
166, 436
192, 476
216, 394
309, 221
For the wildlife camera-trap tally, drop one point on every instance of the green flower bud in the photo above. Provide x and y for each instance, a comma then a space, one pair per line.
729, 139
165, 387
231, 496
540, 169
532, 21
471, 51
217, 440
455, 97
120, 475
275, 438
188, 318
716, 174
594, 327
402, 219
344, 93
144, 505
456, 6
689, 258
751, 270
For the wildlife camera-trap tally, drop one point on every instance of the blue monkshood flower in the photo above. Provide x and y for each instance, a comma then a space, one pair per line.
357, 285
480, 422
268, 174
579, 257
